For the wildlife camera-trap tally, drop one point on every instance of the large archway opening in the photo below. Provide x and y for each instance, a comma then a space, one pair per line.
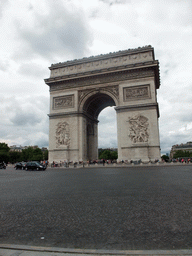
107, 134
107, 128
96, 103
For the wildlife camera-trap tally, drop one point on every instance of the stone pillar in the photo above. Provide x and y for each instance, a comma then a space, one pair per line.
137, 121
92, 140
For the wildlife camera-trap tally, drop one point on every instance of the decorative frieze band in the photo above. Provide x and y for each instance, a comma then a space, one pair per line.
108, 78
136, 92
66, 101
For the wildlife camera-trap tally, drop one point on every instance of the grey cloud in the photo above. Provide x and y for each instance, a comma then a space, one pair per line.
4, 65
24, 111
60, 33
4, 130
2, 6
22, 119
32, 70
167, 141
40, 142
185, 116
107, 142
107, 119
111, 2
26, 121
43, 142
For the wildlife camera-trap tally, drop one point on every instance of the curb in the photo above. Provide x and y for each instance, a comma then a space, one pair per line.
94, 251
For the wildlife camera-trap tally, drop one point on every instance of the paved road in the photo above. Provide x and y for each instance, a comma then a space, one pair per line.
98, 208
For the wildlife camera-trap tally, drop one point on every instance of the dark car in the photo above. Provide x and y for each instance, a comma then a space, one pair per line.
2, 165
34, 166
20, 165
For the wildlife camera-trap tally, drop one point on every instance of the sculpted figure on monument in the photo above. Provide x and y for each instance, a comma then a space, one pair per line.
139, 129
62, 134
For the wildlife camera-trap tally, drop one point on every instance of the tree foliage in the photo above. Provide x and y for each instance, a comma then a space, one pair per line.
4, 157
46, 154
108, 154
165, 158
4, 148
28, 154
37, 155
182, 153
15, 156
4, 153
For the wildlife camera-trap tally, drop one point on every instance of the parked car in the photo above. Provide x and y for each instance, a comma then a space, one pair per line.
2, 165
34, 166
20, 165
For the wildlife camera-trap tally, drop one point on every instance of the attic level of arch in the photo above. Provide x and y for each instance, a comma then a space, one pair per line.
104, 56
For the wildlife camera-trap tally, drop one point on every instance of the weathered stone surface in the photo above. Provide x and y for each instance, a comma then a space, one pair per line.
81, 89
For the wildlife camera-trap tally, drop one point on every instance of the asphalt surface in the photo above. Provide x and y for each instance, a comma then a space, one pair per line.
134, 208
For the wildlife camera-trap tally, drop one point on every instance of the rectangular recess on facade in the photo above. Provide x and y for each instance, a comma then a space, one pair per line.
66, 101
137, 92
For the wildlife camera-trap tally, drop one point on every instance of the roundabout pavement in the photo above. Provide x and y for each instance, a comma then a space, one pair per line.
143, 209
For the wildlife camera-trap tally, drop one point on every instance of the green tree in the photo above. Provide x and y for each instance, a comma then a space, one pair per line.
37, 154
27, 154
46, 154
4, 148
165, 158
15, 156
4, 157
114, 155
108, 154
4, 152
105, 154
182, 153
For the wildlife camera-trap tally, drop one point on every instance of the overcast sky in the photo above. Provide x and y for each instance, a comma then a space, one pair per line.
35, 34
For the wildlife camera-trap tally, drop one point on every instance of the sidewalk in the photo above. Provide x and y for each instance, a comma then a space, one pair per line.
23, 250
123, 165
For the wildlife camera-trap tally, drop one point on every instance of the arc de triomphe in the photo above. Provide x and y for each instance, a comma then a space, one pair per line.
81, 89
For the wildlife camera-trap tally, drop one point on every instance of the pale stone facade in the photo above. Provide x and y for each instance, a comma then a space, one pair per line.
81, 89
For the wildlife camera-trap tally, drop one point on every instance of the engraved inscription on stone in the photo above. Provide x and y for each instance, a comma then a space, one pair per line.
63, 102
62, 134
138, 129
138, 92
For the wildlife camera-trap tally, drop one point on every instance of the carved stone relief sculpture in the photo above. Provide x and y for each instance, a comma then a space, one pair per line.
62, 134
139, 129
137, 92
63, 102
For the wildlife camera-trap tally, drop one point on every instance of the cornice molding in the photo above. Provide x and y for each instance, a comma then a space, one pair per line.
68, 114
138, 107
105, 78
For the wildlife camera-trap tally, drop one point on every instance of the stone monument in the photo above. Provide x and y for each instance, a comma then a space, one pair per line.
81, 89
